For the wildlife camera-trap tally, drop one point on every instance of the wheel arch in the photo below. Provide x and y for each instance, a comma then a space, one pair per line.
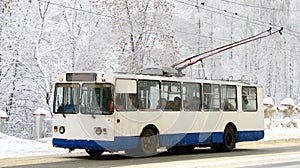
156, 132
231, 124
151, 126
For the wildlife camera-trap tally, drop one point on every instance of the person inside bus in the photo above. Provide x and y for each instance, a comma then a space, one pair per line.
177, 104
244, 100
161, 104
133, 103
186, 104
228, 106
195, 103
169, 105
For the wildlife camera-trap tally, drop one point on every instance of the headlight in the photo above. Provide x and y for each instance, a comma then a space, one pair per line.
98, 130
62, 129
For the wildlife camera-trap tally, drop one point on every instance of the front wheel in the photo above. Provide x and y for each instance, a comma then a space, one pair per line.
148, 143
94, 153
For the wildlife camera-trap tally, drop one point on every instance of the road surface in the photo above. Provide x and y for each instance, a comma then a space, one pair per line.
279, 153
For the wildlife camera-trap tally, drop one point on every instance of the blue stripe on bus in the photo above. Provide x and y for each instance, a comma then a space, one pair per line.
121, 143
250, 135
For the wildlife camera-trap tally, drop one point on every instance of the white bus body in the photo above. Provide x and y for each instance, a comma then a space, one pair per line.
116, 112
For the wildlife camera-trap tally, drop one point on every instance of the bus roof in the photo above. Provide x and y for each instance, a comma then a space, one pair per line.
123, 75
183, 79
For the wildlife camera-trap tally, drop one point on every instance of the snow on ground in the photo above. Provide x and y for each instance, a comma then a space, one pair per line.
11, 147
278, 129
17, 147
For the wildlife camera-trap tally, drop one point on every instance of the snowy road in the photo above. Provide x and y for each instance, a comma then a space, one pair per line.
282, 153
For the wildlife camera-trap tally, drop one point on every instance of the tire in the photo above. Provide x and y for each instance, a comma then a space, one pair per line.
148, 143
94, 153
229, 139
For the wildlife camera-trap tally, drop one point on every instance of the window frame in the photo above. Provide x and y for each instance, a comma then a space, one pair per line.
243, 101
90, 93
76, 106
198, 96
207, 101
170, 106
129, 94
223, 97
141, 104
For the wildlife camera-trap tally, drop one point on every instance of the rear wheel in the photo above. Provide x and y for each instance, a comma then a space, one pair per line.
229, 139
94, 153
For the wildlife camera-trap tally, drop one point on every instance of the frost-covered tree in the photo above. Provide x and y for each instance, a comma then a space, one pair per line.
14, 75
136, 34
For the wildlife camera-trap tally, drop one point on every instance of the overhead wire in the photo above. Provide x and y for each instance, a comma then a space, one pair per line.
261, 7
289, 10
223, 12
77, 9
235, 16
202, 5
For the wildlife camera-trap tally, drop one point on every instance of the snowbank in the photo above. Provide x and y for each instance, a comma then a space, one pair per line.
16, 147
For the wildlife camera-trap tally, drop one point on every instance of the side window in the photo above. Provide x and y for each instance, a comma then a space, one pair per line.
148, 95
191, 96
228, 98
171, 92
249, 98
126, 95
211, 97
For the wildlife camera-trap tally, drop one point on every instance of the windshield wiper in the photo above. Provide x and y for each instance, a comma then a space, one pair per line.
61, 109
63, 114
92, 112
93, 115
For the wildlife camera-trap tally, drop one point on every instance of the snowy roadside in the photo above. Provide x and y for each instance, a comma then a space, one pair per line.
16, 147
11, 147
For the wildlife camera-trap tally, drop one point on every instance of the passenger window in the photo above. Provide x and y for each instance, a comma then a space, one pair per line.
229, 98
249, 98
171, 92
126, 95
191, 95
211, 97
148, 95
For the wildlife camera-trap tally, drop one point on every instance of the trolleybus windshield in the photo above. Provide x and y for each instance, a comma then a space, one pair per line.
66, 98
96, 99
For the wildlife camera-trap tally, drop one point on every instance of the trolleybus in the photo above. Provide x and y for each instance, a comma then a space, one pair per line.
141, 113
